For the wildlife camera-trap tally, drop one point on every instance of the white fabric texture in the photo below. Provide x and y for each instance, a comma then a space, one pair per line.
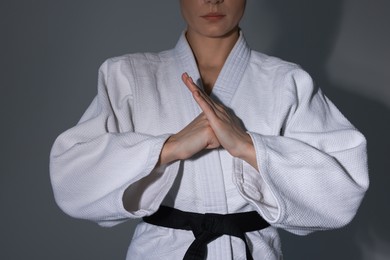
312, 162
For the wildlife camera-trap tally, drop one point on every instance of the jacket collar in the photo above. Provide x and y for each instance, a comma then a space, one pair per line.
230, 75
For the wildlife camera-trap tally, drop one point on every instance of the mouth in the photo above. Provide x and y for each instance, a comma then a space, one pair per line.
213, 16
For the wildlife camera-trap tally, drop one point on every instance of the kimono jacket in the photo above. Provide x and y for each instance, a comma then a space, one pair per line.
312, 162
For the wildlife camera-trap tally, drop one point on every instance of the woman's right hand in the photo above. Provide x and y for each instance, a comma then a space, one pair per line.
195, 137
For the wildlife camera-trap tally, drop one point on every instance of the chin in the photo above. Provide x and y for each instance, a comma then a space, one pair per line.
218, 33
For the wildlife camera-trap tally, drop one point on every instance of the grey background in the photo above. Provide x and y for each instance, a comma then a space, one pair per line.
50, 53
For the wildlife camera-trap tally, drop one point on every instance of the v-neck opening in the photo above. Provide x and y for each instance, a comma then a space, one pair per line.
230, 75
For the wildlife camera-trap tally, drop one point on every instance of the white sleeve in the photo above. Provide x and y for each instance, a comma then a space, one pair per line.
93, 163
314, 175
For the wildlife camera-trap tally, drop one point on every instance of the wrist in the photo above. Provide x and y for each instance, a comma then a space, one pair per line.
247, 151
167, 154
246, 148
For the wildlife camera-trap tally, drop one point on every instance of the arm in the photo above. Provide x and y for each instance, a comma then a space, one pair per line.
95, 162
195, 137
313, 175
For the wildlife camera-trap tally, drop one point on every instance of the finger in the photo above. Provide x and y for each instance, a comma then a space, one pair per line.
207, 108
189, 82
195, 90
200, 96
221, 108
216, 106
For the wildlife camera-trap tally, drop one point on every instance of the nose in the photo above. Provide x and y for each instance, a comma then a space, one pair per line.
213, 1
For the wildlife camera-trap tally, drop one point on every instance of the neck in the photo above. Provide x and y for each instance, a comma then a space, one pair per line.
211, 52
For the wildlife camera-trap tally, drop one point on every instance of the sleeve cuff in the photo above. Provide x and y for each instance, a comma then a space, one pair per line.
255, 186
153, 193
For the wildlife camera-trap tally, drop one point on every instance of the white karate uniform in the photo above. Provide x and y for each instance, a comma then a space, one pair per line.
312, 161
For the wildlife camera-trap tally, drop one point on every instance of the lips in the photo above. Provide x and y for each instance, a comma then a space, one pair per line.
213, 16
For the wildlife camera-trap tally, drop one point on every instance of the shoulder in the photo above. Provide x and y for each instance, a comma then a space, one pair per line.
142, 61
288, 79
283, 72
126, 74
272, 64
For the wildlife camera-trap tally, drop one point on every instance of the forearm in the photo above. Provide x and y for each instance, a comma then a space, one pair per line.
195, 137
246, 151
167, 154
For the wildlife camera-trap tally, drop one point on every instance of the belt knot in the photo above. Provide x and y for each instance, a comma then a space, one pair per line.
207, 227
211, 223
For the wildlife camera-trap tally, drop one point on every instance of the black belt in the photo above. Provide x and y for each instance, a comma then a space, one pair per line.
207, 227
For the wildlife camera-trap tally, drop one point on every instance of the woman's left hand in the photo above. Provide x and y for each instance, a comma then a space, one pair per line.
226, 126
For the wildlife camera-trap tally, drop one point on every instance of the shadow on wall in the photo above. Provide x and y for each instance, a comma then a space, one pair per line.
309, 31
